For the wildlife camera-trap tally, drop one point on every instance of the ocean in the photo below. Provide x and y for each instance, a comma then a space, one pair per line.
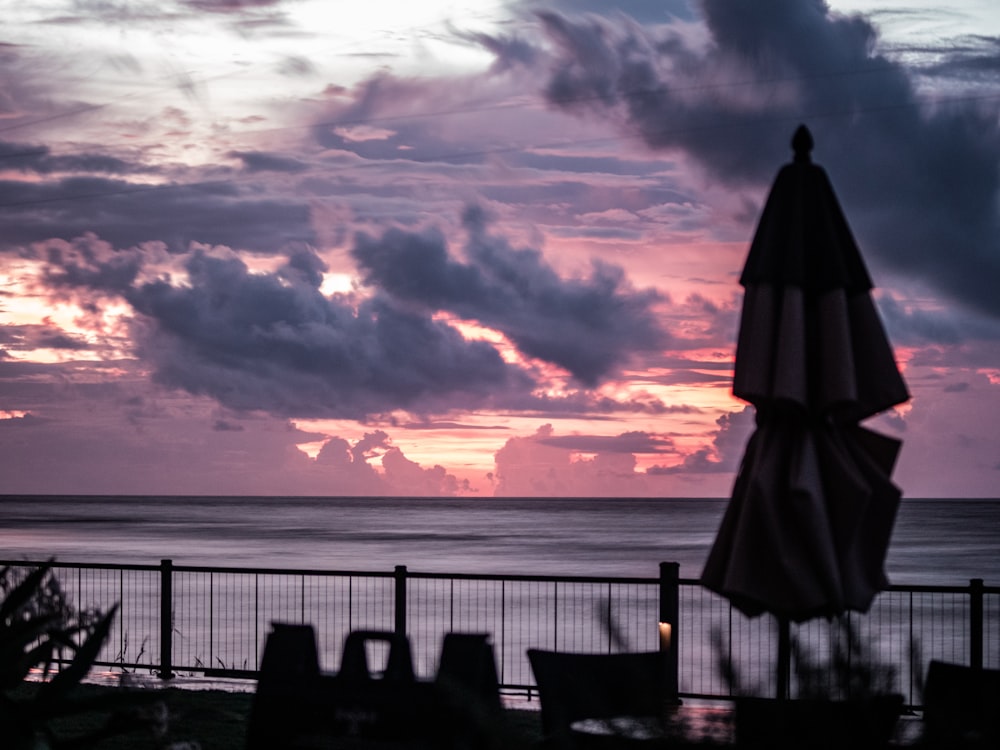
944, 542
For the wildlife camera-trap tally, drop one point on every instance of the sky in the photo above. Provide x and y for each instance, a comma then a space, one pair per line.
300, 247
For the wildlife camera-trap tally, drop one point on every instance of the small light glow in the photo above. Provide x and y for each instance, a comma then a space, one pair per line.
665, 630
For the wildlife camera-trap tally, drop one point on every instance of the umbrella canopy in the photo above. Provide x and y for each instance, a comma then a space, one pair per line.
812, 510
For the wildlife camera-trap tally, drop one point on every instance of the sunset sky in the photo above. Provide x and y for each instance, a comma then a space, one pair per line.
305, 247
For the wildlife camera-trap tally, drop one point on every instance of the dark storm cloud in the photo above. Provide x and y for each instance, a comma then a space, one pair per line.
919, 182
416, 141
304, 266
273, 342
587, 326
644, 11
221, 425
978, 61
86, 263
218, 213
33, 159
40, 337
579, 192
627, 442
18, 374
687, 377
725, 452
393, 136
599, 233
509, 51
419, 120
766, 64
580, 163
259, 161
588, 405
54, 340
948, 326
231, 6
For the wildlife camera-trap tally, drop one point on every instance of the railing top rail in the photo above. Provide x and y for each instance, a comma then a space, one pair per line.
938, 589
525, 577
282, 571
356, 573
640, 580
912, 588
206, 569
78, 565
418, 574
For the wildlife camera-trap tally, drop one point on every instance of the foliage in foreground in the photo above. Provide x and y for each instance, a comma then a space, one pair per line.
851, 671
41, 630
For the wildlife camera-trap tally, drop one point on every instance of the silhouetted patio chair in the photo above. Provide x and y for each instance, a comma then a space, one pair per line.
391, 709
467, 666
298, 707
961, 707
354, 661
289, 670
576, 687
469, 691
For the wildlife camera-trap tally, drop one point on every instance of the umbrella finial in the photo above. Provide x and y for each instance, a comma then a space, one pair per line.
802, 143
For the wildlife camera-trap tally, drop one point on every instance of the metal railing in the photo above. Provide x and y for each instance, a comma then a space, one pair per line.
214, 620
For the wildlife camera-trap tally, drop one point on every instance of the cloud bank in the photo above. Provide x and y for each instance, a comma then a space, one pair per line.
273, 341
917, 173
588, 326
269, 286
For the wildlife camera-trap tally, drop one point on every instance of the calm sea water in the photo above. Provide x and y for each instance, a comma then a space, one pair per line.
935, 541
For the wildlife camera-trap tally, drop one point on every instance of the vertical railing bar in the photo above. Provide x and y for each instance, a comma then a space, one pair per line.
669, 613
850, 650
79, 588
976, 623
166, 619
913, 677
503, 626
399, 621
555, 616
610, 625
211, 616
121, 615
256, 619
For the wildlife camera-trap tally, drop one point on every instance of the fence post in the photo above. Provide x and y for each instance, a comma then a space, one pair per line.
976, 623
669, 625
784, 671
400, 607
166, 619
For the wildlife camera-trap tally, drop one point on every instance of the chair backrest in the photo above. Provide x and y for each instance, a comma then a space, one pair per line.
354, 661
289, 671
468, 690
573, 687
467, 668
297, 707
961, 707
289, 653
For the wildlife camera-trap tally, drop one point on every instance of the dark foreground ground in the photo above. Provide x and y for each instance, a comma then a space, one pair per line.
200, 719
217, 720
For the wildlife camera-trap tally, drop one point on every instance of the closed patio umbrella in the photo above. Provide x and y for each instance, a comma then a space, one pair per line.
808, 526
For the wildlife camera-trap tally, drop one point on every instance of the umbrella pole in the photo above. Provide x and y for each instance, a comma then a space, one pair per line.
784, 656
